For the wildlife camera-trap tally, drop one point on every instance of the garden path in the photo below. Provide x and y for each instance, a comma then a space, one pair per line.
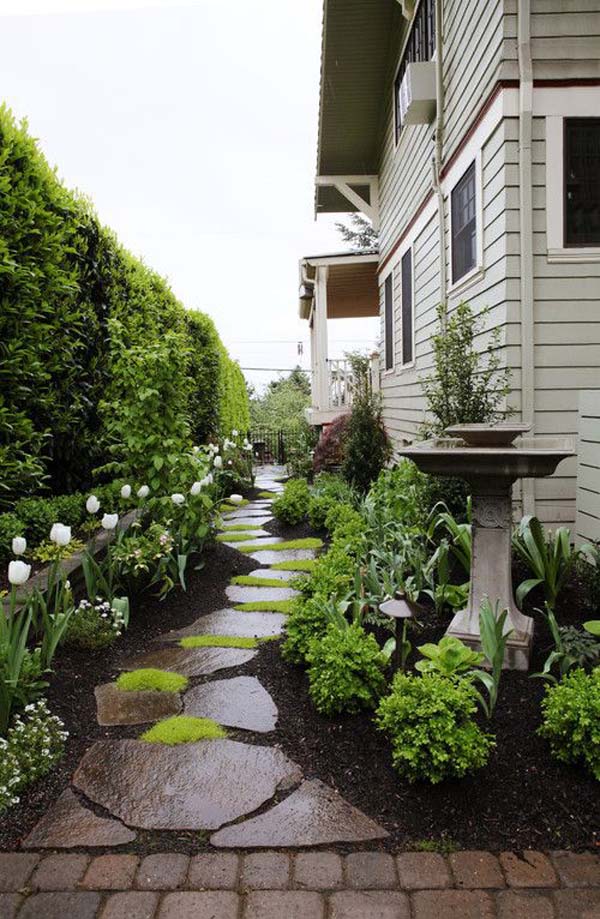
245, 789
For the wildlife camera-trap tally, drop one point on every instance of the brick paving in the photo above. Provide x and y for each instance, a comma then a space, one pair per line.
315, 884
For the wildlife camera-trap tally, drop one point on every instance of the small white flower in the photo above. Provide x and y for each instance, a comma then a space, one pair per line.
19, 544
196, 488
109, 521
92, 505
18, 572
195, 450
209, 478
126, 491
143, 491
235, 499
218, 462
230, 462
234, 433
178, 499
60, 534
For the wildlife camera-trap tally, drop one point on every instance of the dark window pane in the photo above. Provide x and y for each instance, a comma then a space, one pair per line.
389, 322
582, 181
464, 225
407, 308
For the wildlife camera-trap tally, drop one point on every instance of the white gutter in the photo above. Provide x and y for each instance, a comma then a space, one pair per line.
439, 144
526, 229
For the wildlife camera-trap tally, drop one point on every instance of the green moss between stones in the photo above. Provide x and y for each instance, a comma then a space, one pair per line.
183, 729
265, 606
221, 641
301, 564
235, 537
311, 542
225, 508
245, 580
149, 678
235, 527
268, 494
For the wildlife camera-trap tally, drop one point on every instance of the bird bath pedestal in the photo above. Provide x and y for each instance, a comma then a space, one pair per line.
487, 458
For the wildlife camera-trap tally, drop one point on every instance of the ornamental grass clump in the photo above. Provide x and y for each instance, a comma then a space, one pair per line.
571, 719
34, 743
149, 678
183, 729
429, 720
346, 670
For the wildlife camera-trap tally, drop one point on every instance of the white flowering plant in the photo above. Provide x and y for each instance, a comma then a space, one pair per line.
95, 624
33, 744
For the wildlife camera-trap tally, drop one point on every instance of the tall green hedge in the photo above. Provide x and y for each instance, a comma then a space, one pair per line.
86, 330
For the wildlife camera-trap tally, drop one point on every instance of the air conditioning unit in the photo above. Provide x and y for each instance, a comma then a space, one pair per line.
417, 93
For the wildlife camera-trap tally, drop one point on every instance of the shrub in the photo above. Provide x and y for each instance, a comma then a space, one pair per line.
149, 678
366, 445
345, 670
38, 514
33, 744
406, 495
10, 526
429, 720
571, 719
306, 621
329, 451
94, 625
183, 729
333, 575
292, 505
588, 568
328, 492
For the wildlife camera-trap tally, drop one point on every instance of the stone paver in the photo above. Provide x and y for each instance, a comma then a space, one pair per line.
259, 541
529, 869
162, 872
214, 871
458, 904
16, 869
423, 871
476, 869
111, 872
577, 870
67, 824
240, 702
117, 707
577, 904
9, 905
265, 871
312, 815
318, 871
232, 622
187, 787
370, 870
284, 904
264, 557
255, 520
210, 904
131, 904
191, 661
514, 904
64, 905
59, 872
370, 904
275, 573
237, 593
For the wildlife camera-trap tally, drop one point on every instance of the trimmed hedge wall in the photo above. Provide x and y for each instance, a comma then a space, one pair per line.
91, 342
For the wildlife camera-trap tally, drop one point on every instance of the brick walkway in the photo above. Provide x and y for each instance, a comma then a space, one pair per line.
307, 885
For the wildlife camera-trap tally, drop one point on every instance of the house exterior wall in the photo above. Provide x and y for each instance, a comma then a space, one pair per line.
481, 119
588, 468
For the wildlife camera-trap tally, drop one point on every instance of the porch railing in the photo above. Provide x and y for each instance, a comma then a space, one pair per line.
341, 382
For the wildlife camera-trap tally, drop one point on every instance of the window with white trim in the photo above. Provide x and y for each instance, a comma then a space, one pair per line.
388, 320
581, 182
463, 204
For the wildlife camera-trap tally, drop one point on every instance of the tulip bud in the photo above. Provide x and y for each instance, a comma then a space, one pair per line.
235, 499
143, 491
178, 498
196, 488
19, 544
18, 572
218, 462
109, 521
92, 505
60, 534
126, 491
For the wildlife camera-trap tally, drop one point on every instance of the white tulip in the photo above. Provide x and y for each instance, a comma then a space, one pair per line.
218, 462
126, 491
178, 499
196, 488
209, 478
235, 499
109, 521
92, 505
19, 544
216, 448
18, 572
60, 534
143, 491
195, 450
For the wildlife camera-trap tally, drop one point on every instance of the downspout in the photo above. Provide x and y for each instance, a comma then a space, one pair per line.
439, 144
526, 230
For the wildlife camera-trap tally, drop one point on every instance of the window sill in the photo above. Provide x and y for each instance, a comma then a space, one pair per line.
574, 255
467, 280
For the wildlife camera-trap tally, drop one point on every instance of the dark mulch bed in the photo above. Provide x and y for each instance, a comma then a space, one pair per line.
522, 799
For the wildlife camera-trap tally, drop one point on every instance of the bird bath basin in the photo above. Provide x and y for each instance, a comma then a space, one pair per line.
489, 459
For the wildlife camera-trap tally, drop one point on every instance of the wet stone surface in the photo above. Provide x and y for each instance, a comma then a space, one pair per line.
240, 594
241, 702
267, 540
188, 787
255, 521
275, 573
312, 815
117, 707
68, 824
191, 661
264, 557
232, 622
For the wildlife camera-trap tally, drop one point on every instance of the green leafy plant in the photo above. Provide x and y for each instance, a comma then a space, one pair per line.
94, 625
183, 729
460, 534
305, 565
572, 647
450, 658
307, 620
346, 670
571, 719
292, 505
49, 552
550, 557
494, 636
437, 574
329, 492
149, 678
429, 720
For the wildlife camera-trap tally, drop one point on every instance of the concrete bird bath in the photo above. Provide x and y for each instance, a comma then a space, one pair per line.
487, 457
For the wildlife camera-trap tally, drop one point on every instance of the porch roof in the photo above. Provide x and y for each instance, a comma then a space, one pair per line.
352, 289
356, 44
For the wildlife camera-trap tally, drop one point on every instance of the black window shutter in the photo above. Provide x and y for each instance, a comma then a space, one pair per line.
407, 308
389, 322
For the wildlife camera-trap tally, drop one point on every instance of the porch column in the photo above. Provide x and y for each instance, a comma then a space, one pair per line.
319, 340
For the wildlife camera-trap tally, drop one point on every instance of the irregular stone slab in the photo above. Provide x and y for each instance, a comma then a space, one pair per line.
275, 573
117, 707
264, 557
191, 661
237, 593
258, 521
267, 540
195, 786
68, 824
313, 815
253, 534
231, 622
241, 702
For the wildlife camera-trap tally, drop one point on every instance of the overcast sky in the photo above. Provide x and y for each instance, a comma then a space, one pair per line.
192, 126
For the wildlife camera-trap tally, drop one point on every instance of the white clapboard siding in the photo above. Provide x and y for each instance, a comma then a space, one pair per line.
588, 467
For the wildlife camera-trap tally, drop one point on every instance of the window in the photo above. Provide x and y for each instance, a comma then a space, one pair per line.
407, 308
389, 321
582, 181
464, 225
419, 47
